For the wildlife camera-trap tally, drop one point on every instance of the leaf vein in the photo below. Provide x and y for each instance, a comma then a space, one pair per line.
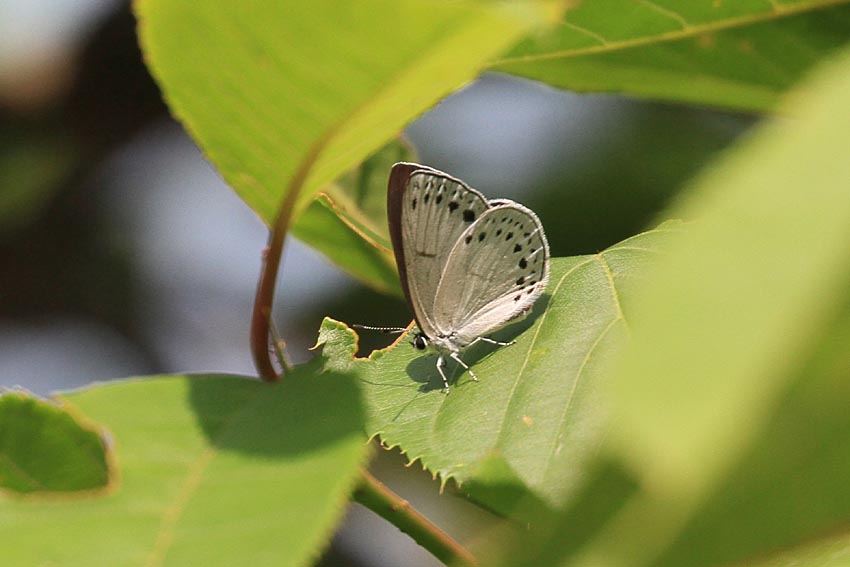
585, 31
673, 15
531, 347
573, 390
614, 294
171, 516
636, 249
639, 235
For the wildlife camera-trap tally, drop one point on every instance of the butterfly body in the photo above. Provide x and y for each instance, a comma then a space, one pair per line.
468, 266
440, 344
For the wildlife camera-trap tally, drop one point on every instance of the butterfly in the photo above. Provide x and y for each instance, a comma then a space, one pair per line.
468, 265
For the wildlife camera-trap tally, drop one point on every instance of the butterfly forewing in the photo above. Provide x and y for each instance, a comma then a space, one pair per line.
428, 212
496, 270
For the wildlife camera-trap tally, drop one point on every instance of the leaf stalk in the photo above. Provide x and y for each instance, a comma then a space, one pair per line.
263, 300
374, 495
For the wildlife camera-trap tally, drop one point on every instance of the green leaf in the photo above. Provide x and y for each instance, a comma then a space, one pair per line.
790, 485
495, 485
44, 449
536, 405
730, 406
361, 194
348, 221
269, 87
214, 470
330, 231
742, 55
831, 551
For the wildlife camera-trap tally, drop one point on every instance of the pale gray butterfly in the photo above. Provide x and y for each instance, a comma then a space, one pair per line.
468, 266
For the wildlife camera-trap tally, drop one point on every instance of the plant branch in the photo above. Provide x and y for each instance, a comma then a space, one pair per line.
261, 316
374, 495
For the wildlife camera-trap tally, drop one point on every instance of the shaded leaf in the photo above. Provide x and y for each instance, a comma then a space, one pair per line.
44, 449
743, 55
537, 404
361, 194
329, 230
496, 486
216, 470
347, 222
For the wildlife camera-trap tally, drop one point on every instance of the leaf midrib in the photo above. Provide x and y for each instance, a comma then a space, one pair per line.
606, 46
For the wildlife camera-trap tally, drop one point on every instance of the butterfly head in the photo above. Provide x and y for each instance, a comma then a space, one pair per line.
420, 341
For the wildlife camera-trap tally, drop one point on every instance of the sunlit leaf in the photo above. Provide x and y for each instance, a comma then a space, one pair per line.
267, 87
214, 470
744, 54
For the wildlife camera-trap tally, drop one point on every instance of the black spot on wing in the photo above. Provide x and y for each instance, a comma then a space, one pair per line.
469, 215
452, 206
523, 264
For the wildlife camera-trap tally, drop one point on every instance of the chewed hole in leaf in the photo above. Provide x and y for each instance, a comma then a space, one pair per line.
45, 449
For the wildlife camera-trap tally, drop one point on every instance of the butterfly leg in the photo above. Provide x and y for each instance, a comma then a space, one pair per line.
441, 363
457, 359
492, 341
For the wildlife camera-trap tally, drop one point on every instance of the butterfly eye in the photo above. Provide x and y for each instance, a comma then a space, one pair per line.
420, 342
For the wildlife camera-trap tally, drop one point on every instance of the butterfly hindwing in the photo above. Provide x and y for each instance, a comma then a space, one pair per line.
496, 270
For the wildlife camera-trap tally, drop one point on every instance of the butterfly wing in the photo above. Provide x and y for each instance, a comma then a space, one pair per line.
428, 211
496, 270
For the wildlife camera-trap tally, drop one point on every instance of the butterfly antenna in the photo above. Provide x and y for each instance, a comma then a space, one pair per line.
394, 330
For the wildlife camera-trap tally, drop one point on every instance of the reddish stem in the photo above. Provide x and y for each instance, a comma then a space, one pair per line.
261, 316
374, 495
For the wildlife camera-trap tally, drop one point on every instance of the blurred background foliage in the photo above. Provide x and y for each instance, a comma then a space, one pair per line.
123, 253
